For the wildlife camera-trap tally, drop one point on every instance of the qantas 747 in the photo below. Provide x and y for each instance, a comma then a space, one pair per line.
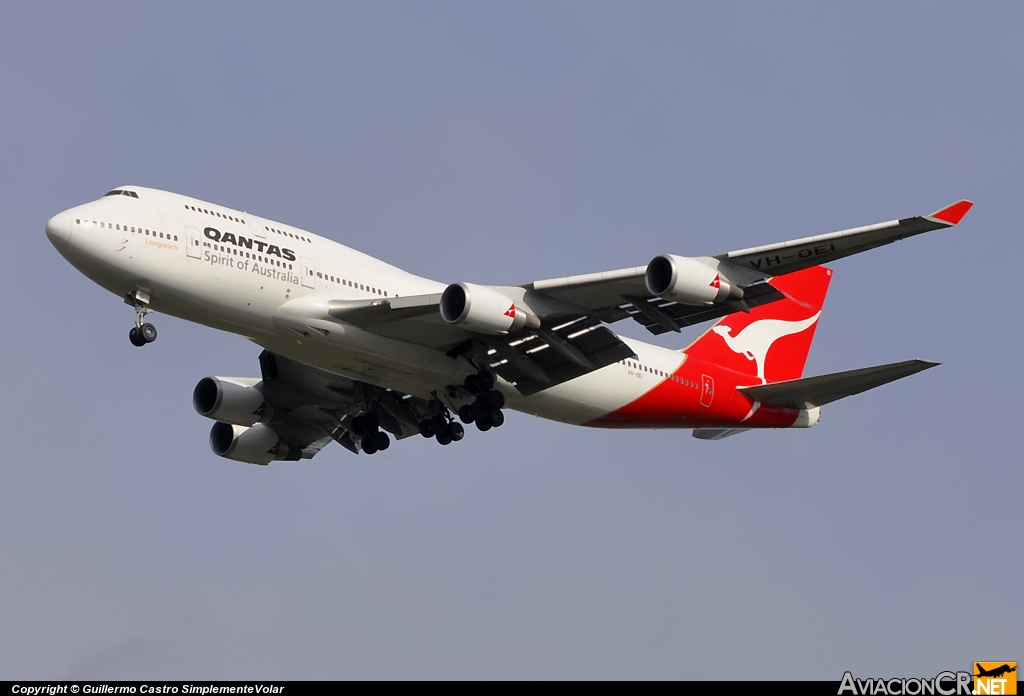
359, 352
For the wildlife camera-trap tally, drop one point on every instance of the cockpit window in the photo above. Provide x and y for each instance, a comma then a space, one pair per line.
121, 192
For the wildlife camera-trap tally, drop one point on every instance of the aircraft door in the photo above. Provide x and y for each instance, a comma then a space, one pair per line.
193, 243
256, 226
308, 273
707, 390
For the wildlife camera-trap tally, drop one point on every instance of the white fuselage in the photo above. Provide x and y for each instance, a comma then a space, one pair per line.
275, 290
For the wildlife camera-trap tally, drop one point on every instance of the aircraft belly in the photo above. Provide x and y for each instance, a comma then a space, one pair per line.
384, 362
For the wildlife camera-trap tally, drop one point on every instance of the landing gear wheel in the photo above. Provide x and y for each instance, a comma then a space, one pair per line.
371, 421
426, 429
438, 424
147, 332
134, 337
496, 419
369, 446
471, 385
456, 432
483, 425
485, 380
493, 399
466, 414
444, 437
381, 441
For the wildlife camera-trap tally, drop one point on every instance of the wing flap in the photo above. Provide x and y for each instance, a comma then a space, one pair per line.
808, 392
533, 362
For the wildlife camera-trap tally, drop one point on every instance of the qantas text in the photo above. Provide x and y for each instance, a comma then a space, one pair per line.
246, 243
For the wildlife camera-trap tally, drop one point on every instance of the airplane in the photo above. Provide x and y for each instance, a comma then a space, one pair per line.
357, 351
996, 672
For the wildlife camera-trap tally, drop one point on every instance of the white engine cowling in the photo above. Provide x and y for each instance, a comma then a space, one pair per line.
259, 444
688, 281
482, 309
231, 400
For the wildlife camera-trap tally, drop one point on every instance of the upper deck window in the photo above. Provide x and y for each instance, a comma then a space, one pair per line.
121, 192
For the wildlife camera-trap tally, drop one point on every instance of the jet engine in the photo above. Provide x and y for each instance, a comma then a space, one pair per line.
688, 281
259, 444
230, 400
481, 309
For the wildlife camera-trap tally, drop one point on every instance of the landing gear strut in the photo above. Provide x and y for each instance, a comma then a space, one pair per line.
143, 332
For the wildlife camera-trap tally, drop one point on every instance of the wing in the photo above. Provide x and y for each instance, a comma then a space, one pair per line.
620, 294
795, 255
566, 338
565, 346
313, 407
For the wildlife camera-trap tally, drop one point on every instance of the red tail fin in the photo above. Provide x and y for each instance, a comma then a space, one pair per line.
772, 341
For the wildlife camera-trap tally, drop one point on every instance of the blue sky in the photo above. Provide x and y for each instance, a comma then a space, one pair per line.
501, 143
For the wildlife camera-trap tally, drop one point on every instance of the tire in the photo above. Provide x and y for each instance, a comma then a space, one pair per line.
456, 432
147, 332
444, 438
357, 427
426, 430
134, 337
371, 421
494, 399
471, 385
496, 419
369, 446
438, 424
466, 414
485, 380
382, 440
483, 425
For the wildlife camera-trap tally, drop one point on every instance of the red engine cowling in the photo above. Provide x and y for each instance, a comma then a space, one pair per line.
231, 400
259, 444
688, 281
481, 309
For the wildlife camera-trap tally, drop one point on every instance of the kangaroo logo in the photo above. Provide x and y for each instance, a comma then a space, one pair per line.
511, 311
755, 340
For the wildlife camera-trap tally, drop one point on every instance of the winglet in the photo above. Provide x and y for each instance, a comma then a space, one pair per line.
953, 214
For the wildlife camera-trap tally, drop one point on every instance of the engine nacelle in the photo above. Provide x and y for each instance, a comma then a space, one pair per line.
688, 281
230, 400
259, 444
483, 310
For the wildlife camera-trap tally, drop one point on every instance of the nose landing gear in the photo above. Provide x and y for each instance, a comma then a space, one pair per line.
143, 332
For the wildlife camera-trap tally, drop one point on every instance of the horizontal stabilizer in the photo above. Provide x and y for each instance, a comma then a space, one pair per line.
823, 389
717, 433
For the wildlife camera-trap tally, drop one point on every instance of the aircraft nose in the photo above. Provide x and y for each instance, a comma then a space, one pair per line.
58, 229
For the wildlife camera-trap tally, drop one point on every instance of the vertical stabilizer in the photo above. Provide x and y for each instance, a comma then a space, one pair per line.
772, 341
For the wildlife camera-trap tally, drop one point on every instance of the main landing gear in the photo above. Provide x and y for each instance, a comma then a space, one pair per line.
445, 431
371, 438
143, 332
485, 410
